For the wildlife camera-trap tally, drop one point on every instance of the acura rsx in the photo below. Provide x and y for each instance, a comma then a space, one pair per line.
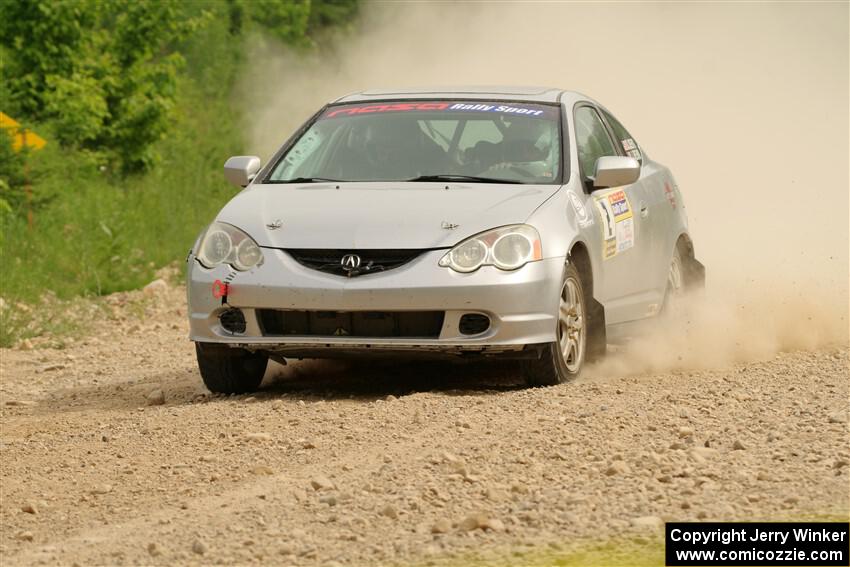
524, 223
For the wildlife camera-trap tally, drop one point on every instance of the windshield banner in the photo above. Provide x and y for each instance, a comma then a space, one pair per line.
531, 110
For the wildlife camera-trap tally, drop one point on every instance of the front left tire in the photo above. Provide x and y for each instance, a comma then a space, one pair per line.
563, 359
227, 370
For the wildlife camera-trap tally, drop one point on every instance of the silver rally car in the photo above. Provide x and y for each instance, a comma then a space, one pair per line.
464, 223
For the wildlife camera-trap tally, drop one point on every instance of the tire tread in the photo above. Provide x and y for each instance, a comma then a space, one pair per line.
227, 370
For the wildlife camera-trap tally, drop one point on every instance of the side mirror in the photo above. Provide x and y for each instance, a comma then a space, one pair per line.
240, 170
613, 171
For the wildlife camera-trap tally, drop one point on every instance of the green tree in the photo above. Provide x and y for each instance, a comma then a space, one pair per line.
104, 73
286, 20
295, 22
40, 39
331, 13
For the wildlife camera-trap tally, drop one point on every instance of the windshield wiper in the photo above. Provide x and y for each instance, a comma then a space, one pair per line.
308, 180
454, 177
439, 177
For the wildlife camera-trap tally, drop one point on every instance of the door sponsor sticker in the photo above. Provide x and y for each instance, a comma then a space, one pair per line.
618, 228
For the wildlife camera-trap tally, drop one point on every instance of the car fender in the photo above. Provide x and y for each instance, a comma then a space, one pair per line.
565, 220
694, 270
557, 227
679, 233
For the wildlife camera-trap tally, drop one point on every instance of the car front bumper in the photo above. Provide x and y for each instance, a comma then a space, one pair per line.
522, 305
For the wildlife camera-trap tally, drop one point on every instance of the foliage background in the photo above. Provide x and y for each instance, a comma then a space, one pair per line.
135, 98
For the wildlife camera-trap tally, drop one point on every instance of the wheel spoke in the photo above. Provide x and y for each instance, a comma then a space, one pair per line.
674, 277
571, 354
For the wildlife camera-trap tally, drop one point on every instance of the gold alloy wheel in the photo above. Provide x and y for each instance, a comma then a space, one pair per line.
571, 327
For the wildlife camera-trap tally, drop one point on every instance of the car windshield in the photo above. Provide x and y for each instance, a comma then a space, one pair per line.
471, 141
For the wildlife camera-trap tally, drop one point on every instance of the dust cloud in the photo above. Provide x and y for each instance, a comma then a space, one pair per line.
747, 103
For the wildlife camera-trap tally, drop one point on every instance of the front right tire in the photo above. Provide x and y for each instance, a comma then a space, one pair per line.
563, 359
227, 370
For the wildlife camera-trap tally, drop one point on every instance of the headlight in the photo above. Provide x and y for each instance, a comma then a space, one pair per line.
507, 248
225, 244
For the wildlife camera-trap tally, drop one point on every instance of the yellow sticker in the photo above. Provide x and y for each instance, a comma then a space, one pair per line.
617, 223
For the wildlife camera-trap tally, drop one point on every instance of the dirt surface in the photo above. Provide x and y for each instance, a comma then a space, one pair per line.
114, 453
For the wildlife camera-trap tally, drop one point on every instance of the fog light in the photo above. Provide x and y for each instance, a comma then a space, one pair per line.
233, 320
474, 324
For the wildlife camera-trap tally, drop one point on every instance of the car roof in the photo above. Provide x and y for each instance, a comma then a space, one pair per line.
513, 93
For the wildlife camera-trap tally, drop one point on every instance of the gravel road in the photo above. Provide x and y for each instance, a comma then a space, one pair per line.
114, 453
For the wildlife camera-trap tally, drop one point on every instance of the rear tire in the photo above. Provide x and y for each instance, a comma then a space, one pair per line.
563, 359
674, 296
227, 370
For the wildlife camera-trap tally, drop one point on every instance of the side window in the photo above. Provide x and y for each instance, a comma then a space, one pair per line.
592, 139
625, 139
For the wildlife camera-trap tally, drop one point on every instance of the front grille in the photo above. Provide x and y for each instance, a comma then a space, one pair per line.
367, 324
371, 261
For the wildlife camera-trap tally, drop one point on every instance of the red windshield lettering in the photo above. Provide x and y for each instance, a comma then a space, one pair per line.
432, 106
369, 109
333, 113
393, 107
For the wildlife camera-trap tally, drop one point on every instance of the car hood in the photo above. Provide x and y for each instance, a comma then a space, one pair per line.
378, 215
